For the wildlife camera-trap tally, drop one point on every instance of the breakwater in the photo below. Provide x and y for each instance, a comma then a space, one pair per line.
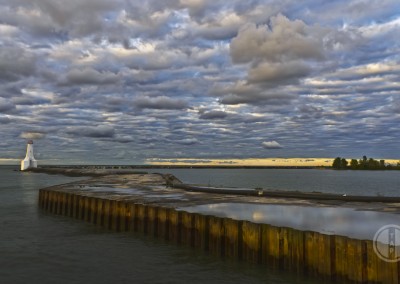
288, 194
329, 257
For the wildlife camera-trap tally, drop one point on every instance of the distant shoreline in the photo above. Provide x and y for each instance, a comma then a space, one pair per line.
134, 167
124, 167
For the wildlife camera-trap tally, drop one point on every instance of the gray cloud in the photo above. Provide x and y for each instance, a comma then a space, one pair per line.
214, 114
6, 106
93, 132
4, 120
53, 17
90, 76
124, 139
245, 93
278, 73
284, 41
278, 55
161, 102
15, 63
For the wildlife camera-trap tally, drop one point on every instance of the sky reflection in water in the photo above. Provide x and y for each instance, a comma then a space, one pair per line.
328, 220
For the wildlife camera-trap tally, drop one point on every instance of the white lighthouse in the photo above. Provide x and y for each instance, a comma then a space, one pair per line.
29, 161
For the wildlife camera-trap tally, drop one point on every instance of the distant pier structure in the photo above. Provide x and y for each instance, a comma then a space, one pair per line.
29, 161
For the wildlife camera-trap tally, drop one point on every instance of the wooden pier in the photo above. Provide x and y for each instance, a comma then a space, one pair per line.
328, 257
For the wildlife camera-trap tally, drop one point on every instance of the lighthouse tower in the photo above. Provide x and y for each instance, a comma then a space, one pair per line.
29, 161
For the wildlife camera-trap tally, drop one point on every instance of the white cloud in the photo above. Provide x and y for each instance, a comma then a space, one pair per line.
271, 145
32, 135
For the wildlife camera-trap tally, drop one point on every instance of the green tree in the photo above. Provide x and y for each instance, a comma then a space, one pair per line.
343, 163
353, 164
336, 163
382, 164
372, 164
363, 163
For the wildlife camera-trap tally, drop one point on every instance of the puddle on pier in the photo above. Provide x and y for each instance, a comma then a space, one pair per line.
327, 220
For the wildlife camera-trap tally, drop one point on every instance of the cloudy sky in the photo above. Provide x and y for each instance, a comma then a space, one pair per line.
124, 81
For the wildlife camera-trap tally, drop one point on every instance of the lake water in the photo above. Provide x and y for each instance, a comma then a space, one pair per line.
37, 247
373, 183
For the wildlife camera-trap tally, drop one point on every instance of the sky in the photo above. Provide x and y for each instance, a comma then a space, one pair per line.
128, 82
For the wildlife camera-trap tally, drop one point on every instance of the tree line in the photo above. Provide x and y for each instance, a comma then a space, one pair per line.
363, 164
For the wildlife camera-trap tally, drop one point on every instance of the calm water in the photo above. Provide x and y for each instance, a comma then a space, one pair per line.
386, 183
40, 248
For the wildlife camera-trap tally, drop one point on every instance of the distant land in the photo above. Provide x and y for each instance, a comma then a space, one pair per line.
225, 163
253, 162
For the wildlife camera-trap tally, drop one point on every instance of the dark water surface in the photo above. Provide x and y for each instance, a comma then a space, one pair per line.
36, 247
373, 183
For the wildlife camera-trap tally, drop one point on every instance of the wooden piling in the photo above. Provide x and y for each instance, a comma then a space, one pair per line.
175, 223
232, 238
141, 213
341, 258
163, 223
93, 209
69, 205
216, 236
75, 206
187, 228
107, 209
152, 220
201, 231
113, 225
132, 223
122, 224
62, 203
100, 212
270, 245
54, 202
252, 242
87, 209
81, 211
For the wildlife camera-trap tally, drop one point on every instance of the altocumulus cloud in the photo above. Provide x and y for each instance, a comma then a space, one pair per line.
200, 79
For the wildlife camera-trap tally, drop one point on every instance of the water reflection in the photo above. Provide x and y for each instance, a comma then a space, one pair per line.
328, 220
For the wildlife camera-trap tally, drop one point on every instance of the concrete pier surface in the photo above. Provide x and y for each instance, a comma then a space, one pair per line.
280, 232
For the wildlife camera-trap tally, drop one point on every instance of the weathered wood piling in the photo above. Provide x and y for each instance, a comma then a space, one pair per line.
329, 257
